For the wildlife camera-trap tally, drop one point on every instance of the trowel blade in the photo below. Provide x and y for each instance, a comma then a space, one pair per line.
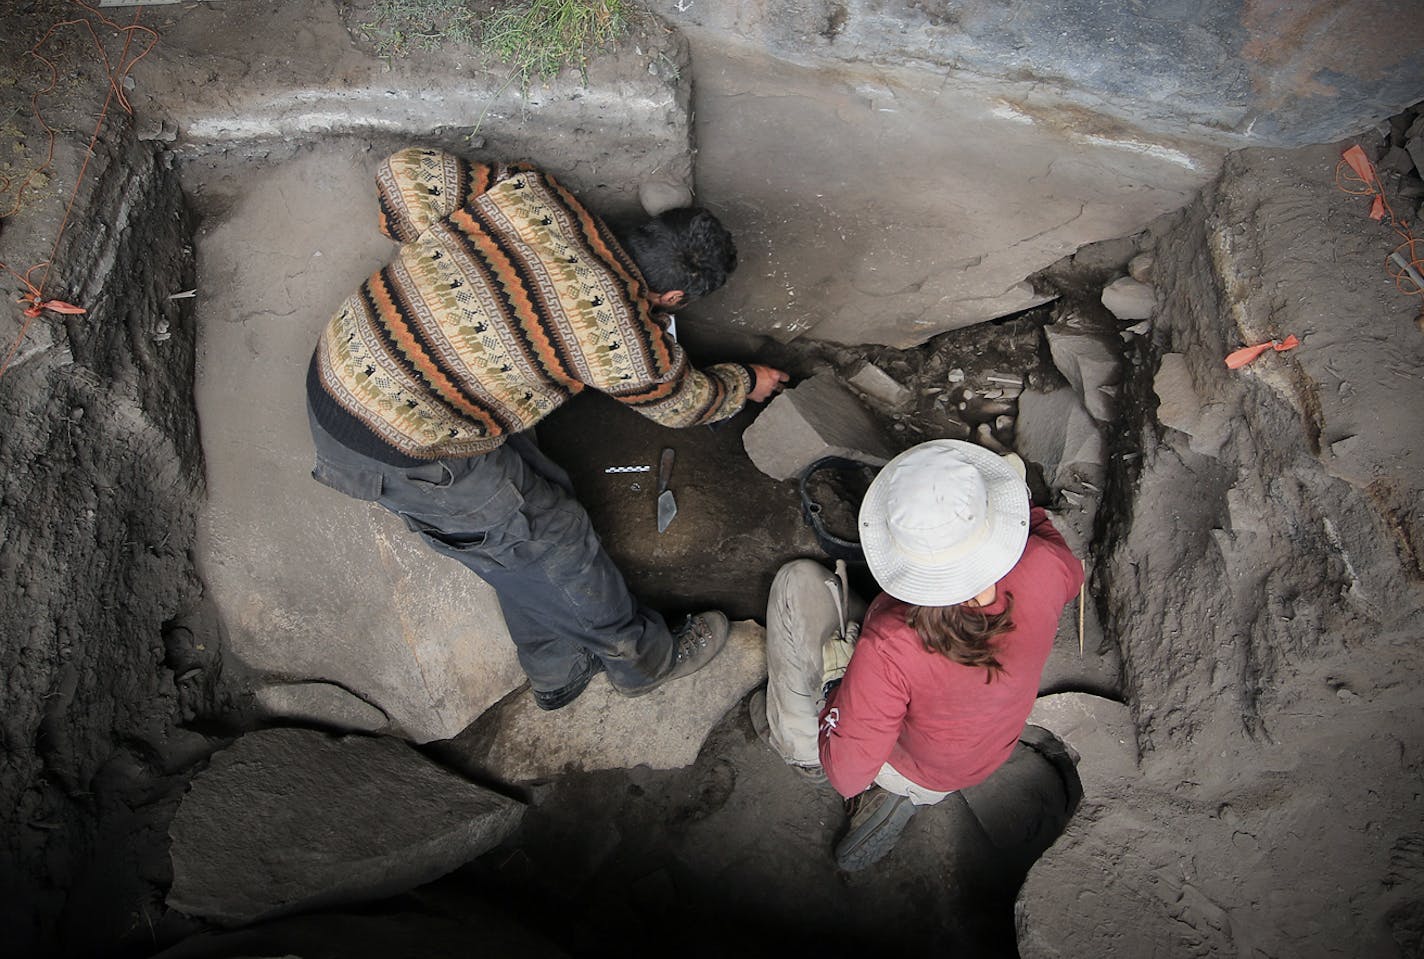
667, 509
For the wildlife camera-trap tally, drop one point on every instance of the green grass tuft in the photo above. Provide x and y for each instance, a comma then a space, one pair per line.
541, 37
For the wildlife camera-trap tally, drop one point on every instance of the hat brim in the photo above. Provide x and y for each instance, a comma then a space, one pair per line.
962, 578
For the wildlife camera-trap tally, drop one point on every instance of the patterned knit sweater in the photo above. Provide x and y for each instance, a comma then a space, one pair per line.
506, 299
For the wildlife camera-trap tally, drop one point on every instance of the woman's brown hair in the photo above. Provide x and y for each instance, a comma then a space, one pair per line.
963, 633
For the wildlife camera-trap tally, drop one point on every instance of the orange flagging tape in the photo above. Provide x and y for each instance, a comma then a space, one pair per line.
1246, 354
116, 72
1355, 158
38, 306
1405, 263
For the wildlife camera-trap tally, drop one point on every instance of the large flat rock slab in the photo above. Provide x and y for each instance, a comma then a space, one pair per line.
602, 730
286, 820
1236, 71
313, 585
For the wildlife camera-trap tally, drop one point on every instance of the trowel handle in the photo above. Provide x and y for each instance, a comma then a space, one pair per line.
665, 469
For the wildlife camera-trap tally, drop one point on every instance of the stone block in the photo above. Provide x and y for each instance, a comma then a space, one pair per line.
1055, 431
1207, 425
817, 418
286, 820
879, 387
1129, 299
603, 730
1091, 362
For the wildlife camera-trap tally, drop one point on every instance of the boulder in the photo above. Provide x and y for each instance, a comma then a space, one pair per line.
816, 418
286, 820
603, 730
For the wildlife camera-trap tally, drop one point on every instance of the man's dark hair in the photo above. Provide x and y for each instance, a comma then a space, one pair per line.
685, 249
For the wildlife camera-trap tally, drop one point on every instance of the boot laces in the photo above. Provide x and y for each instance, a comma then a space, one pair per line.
692, 637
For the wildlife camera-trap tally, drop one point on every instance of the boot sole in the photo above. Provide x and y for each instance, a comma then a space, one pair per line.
870, 841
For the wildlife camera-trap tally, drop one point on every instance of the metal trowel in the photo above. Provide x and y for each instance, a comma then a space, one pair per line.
667, 506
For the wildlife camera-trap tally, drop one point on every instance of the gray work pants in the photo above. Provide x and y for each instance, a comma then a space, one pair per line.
801, 615
510, 517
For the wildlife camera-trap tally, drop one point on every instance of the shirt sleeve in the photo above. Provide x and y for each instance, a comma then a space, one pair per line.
1061, 558
862, 720
417, 187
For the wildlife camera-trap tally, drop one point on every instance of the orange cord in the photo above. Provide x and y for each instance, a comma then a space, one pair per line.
34, 299
1356, 175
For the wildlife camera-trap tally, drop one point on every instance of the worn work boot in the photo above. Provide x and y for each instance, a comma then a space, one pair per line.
877, 818
695, 644
756, 708
549, 699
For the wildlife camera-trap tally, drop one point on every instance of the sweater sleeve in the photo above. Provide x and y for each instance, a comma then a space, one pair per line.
672, 392
417, 187
862, 720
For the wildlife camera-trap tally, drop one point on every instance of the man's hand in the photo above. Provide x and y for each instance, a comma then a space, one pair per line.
768, 381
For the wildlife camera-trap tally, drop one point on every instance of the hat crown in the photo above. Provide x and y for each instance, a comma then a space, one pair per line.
938, 506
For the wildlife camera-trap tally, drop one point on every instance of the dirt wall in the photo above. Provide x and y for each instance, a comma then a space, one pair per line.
1260, 573
100, 469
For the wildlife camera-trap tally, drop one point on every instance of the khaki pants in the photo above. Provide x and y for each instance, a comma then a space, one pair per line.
801, 614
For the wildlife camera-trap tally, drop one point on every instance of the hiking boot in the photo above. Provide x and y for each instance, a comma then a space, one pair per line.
877, 818
756, 708
550, 699
695, 644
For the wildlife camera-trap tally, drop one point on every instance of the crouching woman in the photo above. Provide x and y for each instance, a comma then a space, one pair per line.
946, 665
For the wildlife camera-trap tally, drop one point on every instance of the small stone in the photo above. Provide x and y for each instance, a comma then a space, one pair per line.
956, 375
984, 436
1396, 160
1140, 267
659, 196
877, 385
1129, 299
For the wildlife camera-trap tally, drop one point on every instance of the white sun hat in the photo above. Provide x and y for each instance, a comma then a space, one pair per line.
942, 522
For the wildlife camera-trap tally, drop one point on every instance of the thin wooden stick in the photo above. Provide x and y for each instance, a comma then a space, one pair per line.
1082, 594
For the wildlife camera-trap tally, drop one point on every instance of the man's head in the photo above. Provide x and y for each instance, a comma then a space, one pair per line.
685, 251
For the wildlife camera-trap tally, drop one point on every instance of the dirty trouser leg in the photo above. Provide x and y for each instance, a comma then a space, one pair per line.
801, 614
511, 521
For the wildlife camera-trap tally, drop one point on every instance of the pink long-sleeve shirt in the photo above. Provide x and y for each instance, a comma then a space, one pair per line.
937, 722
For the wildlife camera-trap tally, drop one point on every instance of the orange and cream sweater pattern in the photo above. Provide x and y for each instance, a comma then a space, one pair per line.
506, 299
